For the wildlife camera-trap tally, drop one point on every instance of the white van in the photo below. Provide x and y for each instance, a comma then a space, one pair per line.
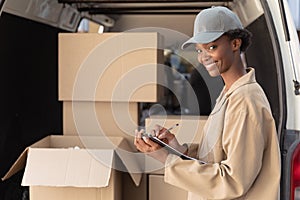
28, 54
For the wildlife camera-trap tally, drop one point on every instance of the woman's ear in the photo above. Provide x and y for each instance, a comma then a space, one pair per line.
236, 44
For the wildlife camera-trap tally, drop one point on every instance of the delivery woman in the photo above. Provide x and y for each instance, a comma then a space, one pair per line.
240, 146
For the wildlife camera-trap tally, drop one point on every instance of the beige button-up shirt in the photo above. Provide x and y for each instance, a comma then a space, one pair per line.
240, 146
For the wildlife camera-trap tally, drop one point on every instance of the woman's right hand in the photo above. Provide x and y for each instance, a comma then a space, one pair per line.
168, 137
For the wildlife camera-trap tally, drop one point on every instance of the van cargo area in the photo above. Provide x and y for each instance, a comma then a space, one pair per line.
70, 73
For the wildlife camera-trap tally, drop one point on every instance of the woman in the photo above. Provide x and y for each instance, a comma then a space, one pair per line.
240, 145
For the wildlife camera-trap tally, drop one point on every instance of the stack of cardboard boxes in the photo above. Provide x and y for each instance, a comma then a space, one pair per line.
102, 77
101, 80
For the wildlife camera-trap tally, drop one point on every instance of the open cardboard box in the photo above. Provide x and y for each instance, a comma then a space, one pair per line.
74, 167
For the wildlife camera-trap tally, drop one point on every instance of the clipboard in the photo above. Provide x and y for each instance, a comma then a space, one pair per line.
171, 149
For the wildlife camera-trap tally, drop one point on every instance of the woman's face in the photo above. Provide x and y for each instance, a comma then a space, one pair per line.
216, 56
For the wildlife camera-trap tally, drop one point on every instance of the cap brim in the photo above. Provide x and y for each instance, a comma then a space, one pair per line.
202, 38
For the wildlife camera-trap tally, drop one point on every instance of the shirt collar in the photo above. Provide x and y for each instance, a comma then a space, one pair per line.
246, 79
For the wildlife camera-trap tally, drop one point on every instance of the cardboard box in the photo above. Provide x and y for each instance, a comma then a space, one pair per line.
189, 129
73, 167
100, 119
110, 67
159, 190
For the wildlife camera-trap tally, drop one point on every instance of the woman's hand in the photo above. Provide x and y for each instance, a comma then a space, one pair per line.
145, 145
169, 138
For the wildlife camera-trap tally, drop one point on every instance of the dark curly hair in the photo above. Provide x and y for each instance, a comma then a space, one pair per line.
242, 34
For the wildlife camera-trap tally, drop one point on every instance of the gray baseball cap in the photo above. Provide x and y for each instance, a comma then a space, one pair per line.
212, 23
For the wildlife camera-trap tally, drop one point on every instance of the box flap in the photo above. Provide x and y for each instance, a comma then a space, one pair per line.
133, 162
68, 167
17, 166
20, 163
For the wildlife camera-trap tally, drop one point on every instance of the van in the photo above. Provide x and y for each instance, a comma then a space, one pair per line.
29, 32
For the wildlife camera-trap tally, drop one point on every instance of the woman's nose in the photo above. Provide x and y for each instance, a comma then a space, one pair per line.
203, 57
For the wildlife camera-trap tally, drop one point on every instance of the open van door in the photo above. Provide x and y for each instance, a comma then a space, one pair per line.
290, 139
288, 57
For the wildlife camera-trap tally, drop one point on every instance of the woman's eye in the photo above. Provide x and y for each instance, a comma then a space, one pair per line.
212, 47
198, 51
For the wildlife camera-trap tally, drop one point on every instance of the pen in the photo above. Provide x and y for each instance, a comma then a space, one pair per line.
171, 127
147, 134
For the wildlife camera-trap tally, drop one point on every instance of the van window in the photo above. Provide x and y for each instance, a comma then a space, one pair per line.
88, 26
295, 11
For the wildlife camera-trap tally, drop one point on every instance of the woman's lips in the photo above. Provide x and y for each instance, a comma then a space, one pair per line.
212, 69
210, 66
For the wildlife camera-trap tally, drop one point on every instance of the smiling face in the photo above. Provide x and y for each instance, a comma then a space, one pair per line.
218, 56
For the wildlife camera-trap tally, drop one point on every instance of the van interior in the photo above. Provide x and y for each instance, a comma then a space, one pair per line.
30, 109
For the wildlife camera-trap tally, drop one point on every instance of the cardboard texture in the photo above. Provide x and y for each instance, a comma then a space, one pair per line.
100, 119
73, 167
159, 190
121, 67
189, 129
